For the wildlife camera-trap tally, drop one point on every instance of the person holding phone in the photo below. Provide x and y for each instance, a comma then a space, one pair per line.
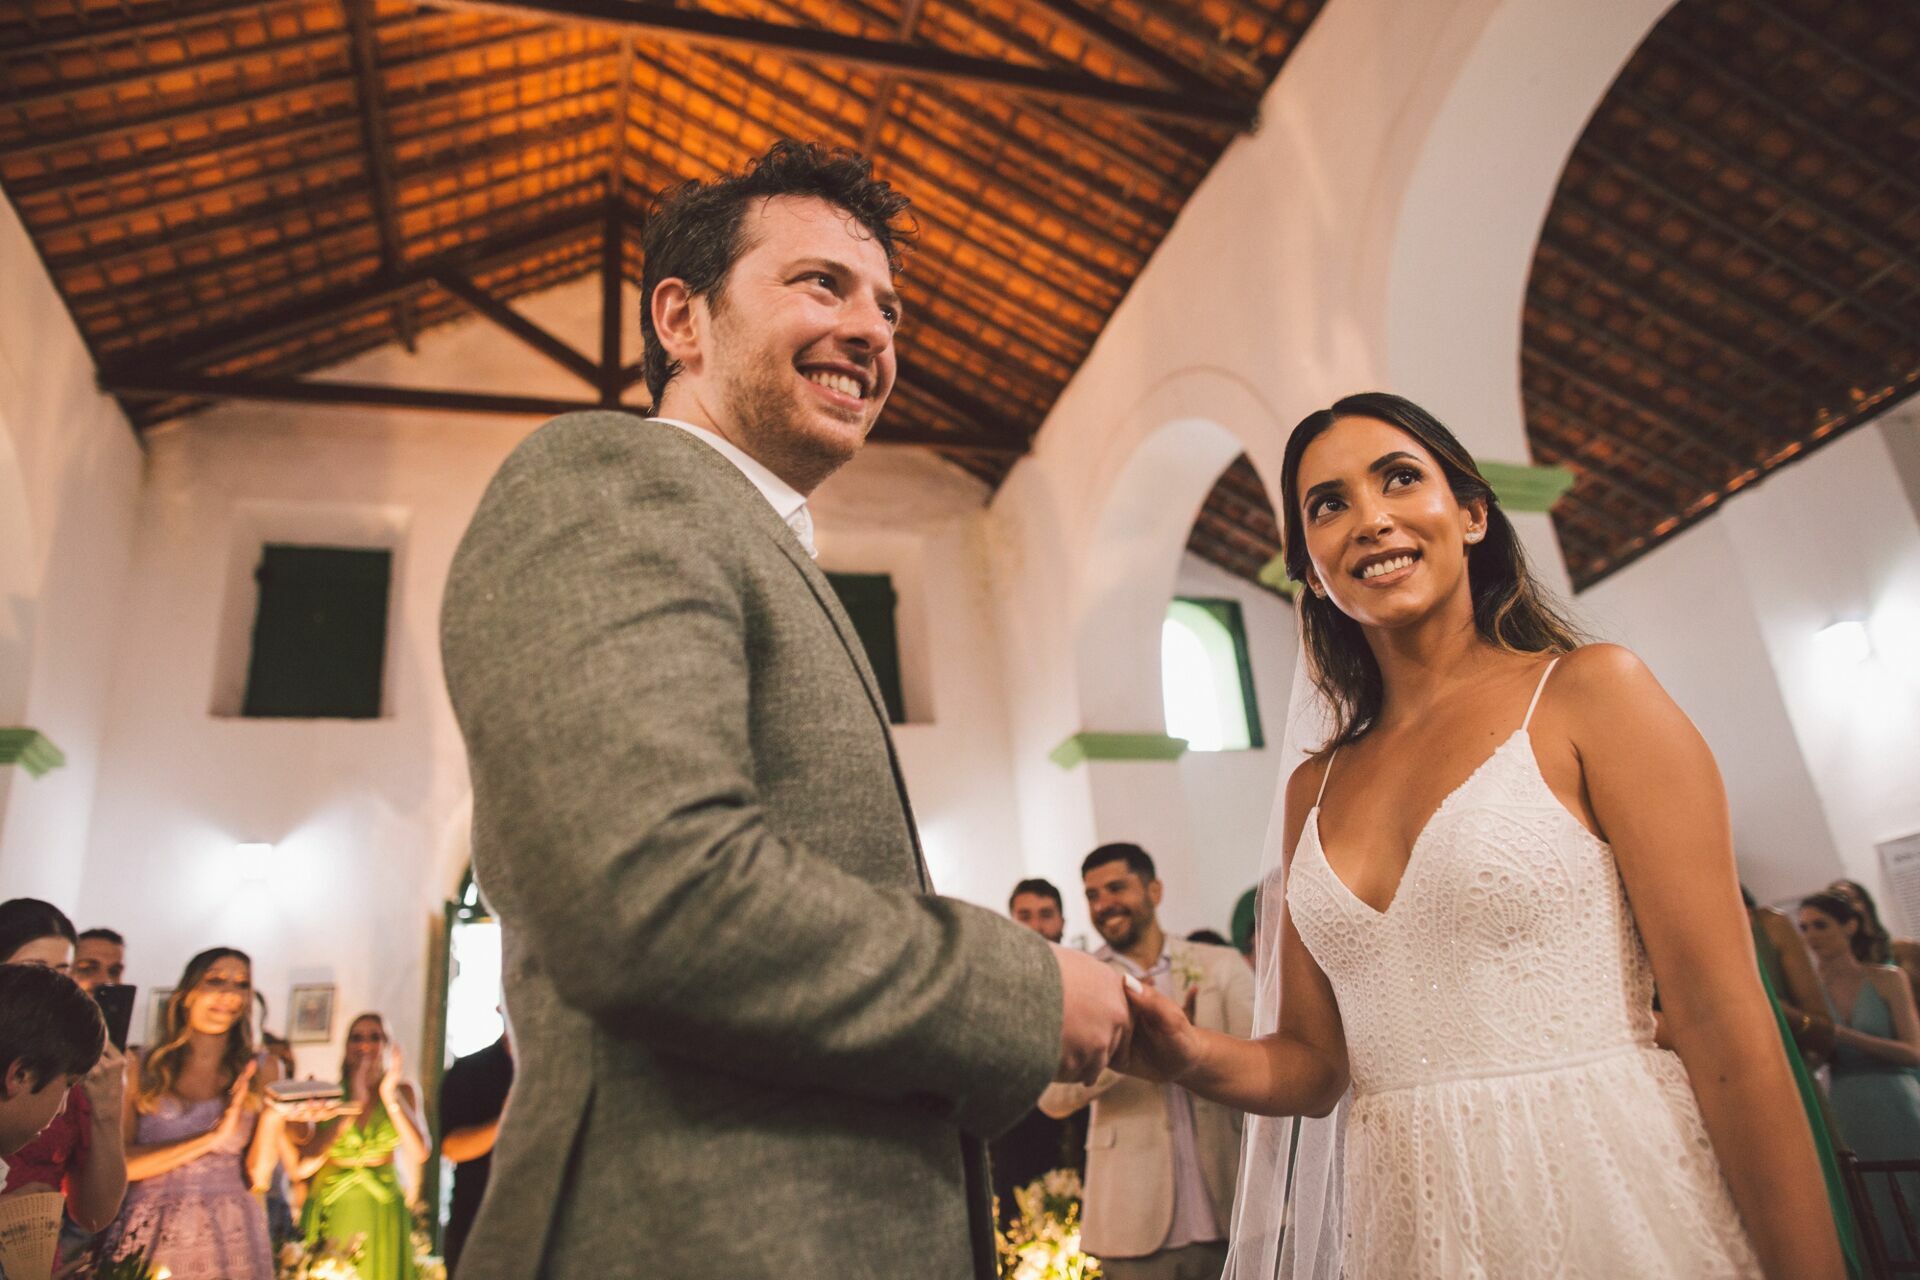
80, 1154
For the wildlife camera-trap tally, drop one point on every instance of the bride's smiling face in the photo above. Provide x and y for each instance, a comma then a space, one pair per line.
1386, 538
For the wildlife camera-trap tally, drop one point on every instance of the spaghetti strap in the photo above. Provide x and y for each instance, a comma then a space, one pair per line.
1324, 775
1537, 691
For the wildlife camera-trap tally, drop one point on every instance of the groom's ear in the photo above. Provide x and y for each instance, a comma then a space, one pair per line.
1155, 891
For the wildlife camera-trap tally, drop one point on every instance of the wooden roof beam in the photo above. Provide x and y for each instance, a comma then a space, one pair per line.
881, 104
1568, 448
264, 97
282, 141
909, 61
342, 194
1651, 311
379, 146
462, 286
613, 238
225, 341
1809, 34
1655, 459
1775, 103
177, 285
308, 42
1586, 330
1823, 210
158, 20
1839, 363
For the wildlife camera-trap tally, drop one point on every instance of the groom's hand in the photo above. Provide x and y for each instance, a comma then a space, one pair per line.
1097, 1022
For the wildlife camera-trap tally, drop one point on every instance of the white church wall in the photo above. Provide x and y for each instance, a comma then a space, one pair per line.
1830, 539
69, 478
1230, 794
1685, 608
1819, 755
365, 816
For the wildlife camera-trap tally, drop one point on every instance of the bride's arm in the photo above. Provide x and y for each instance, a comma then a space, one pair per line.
1300, 1069
1657, 798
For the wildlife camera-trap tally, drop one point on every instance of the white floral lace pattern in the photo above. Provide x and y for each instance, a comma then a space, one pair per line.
1511, 1116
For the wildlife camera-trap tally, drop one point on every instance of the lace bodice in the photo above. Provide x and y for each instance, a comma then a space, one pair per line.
1508, 946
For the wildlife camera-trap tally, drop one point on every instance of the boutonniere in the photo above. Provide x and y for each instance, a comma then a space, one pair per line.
1187, 972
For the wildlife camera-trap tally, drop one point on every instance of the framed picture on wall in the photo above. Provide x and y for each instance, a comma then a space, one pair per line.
310, 1013
157, 999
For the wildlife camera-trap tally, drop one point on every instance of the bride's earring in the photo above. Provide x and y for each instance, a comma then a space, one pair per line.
1474, 535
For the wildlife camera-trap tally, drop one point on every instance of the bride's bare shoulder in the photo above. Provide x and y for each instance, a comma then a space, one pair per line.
1608, 687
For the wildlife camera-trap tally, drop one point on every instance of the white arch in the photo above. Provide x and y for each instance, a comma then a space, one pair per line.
1170, 451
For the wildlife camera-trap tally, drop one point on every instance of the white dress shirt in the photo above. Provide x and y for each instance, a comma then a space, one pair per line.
788, 502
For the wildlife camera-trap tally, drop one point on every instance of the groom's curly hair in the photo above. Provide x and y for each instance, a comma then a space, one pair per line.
695, 231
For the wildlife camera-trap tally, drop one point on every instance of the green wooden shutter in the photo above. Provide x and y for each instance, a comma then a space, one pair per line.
869, 600
320, 634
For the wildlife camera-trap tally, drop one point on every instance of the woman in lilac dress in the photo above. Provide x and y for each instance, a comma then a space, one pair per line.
199, 1141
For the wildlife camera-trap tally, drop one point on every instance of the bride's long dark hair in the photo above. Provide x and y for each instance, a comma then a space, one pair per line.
1510, 609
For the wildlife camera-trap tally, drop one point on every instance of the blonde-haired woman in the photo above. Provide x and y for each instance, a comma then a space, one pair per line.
199, 1142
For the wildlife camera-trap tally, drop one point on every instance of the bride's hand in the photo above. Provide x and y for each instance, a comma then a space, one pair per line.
1165, 1044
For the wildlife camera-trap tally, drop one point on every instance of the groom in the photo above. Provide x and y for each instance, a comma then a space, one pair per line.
750, 1041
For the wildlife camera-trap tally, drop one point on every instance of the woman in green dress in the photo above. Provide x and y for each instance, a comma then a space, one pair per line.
355, 1193
1876, 1092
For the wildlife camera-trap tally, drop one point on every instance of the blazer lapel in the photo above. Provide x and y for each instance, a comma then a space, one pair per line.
763, 514
829, 601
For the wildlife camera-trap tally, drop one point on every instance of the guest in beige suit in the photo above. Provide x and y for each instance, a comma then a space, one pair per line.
1161, 1162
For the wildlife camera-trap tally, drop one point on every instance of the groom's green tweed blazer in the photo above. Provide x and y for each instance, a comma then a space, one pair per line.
749, 1044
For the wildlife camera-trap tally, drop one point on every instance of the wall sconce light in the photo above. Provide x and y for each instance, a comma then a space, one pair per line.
1844, 643
256, 859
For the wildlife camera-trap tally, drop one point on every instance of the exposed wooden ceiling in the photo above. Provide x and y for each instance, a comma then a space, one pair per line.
1729, 276
230, 195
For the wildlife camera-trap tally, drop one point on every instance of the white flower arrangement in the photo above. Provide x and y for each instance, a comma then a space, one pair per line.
1044, 1241
324, 1260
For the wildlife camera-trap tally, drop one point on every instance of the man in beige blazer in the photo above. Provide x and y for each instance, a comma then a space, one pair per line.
749, 1042
1161, 1163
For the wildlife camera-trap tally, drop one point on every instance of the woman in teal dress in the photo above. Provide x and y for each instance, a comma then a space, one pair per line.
355, 1192
1876, 1090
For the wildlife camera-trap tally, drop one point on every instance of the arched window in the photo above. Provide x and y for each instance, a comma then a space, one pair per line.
1205, 680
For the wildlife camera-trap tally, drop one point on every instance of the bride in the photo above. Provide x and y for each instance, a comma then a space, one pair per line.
1506, 841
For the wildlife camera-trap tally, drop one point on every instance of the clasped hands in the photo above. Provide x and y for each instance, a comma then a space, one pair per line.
1111, 1021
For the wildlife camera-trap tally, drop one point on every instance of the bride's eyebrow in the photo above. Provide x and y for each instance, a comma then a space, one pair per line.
1378, 465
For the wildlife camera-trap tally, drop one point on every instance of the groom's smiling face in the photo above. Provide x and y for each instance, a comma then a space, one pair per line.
792, 358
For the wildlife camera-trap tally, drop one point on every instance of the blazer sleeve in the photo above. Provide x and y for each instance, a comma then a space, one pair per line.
1239, 995
595, 649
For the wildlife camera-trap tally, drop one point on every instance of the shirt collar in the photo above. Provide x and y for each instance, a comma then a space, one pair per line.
783, 497
1163, 965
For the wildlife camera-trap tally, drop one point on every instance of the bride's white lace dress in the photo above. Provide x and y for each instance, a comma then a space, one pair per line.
1511, 1116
